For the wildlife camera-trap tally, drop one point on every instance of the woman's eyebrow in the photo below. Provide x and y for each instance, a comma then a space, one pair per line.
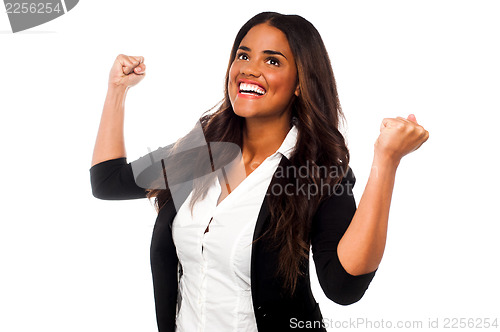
247, 49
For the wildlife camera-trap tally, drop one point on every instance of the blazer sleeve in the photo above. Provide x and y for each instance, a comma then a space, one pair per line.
329, 225
116, 179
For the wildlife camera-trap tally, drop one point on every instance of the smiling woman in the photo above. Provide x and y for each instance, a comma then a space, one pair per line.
233, 255
263, 77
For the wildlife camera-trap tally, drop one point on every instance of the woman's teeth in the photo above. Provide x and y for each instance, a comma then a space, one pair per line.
251, 89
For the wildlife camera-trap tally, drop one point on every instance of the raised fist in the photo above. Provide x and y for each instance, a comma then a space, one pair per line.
398, 137
127, 71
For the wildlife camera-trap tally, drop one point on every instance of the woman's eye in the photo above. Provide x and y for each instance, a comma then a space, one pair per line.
273, 61
242, 56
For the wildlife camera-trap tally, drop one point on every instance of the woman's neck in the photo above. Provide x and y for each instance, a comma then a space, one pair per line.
261, 138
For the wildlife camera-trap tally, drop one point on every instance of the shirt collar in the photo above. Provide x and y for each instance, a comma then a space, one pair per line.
288, 144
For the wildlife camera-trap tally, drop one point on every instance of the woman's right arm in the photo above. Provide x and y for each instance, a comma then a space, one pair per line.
111, 176
126, 72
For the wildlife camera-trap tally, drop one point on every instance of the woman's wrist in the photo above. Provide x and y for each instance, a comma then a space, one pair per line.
116, 96
117, 89
385, 162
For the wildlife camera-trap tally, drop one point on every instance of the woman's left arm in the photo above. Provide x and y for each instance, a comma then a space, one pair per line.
362, 246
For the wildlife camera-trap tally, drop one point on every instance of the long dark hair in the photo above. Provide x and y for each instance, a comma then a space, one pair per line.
319, 143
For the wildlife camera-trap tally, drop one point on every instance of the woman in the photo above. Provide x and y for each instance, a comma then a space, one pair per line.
230, 246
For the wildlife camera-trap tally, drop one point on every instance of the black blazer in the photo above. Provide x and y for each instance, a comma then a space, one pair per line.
114, 179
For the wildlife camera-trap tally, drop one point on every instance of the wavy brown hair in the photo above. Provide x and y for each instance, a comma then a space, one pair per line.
319, 144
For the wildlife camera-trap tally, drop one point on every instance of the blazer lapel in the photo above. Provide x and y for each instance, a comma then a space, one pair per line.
259, 256
264, 210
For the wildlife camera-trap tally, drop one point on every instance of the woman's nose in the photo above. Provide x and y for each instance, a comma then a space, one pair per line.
250, 68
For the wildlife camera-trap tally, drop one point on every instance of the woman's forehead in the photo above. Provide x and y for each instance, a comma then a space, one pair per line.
264, 37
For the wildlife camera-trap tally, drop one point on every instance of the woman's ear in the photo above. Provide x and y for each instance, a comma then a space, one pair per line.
297, 91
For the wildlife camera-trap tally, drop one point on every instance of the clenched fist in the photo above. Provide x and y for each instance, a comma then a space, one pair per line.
127, 71
398, 137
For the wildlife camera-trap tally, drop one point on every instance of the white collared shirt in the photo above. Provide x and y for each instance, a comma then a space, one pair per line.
214, 289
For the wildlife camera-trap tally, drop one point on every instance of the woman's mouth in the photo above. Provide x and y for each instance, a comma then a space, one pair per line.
251, 90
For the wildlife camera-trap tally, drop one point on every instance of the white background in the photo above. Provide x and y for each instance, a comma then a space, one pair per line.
71, 262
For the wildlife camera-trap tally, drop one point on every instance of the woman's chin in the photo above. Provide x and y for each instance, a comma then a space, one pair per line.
245, 112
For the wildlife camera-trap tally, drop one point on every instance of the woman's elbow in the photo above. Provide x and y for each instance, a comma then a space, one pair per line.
346, 289
100, 193
343, 297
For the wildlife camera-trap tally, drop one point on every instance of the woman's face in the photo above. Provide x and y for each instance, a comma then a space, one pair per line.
263, 75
